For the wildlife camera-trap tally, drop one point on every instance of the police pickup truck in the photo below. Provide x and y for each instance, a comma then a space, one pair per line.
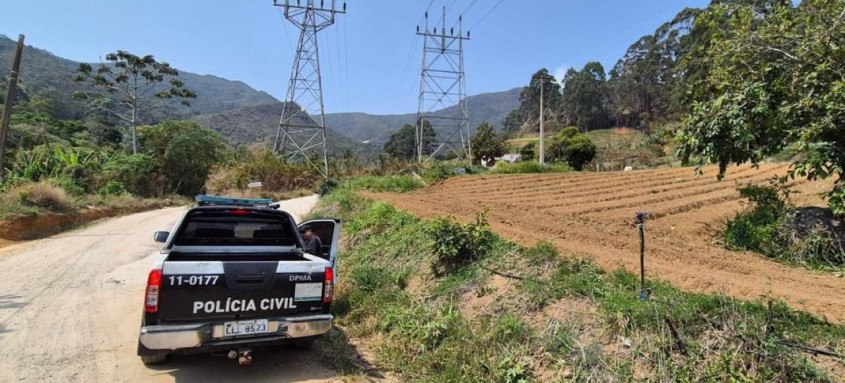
232, 276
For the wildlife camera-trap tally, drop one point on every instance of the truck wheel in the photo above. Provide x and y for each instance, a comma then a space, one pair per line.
153, 359
151, 356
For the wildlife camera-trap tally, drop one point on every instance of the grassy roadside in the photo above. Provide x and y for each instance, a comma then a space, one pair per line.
516, 314
34, 210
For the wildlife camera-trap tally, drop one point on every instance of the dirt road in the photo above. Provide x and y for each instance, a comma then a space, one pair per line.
70, 307
591, 215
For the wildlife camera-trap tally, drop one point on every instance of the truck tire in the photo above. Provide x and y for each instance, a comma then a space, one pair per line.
151, 356
153, 359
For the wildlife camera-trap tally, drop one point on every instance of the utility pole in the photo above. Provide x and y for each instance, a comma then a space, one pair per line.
299, 136
443, 85
9, 101
542, 118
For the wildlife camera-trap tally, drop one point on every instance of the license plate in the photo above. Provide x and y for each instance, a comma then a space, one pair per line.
258, 326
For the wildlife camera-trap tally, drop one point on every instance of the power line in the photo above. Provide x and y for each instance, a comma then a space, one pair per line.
486, 14
471, 4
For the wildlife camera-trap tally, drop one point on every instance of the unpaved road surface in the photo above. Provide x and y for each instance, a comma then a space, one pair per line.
70, 308
591, 215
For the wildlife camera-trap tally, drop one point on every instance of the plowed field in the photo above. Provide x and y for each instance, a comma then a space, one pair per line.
592, 215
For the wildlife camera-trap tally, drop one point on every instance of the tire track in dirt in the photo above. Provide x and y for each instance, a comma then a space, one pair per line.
680, 253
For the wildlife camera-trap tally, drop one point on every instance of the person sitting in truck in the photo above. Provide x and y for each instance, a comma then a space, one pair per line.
313, 245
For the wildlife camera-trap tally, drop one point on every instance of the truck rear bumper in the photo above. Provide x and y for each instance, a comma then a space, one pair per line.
196, 335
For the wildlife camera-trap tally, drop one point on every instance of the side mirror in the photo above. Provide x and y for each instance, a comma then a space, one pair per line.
161, 236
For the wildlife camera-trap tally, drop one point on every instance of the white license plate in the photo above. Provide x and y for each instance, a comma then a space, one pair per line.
258, 326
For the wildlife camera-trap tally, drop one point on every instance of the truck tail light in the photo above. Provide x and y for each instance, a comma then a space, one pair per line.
153, 288
328, 285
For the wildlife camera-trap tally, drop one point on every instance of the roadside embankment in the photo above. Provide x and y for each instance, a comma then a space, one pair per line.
35, 223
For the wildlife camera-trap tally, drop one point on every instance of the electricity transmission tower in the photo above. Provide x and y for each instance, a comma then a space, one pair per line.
443, 90
301, 134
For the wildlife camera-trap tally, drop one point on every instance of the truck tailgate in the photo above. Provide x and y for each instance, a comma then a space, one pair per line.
202, 290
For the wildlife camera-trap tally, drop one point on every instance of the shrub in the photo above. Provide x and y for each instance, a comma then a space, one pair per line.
528, 152
327, 186
457, 244
68, 185
41, 194
185, 152
573, 147
112, 188
754, 228
771, 226
138, 173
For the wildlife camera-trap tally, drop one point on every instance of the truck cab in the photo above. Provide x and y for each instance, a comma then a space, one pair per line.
231, 276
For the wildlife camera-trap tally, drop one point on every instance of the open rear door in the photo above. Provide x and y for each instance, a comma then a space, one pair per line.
329, 232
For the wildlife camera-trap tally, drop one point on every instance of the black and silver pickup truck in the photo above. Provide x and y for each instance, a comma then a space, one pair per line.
232, 276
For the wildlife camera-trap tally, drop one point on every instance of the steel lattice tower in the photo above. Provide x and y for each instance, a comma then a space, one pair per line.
299, 135
443, 89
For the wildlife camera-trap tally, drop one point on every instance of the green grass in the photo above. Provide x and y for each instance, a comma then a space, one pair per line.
389, 290
528, 167
385, 183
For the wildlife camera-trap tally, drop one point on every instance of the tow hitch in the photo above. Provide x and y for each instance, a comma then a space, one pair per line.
244, 356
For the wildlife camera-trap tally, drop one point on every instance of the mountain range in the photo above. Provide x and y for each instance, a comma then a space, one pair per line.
240, 113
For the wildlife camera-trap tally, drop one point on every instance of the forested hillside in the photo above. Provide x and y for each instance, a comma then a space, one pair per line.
258, 124
50, 77
485, 107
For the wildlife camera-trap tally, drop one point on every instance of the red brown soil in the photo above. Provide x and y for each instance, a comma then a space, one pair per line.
591, 215
22, 228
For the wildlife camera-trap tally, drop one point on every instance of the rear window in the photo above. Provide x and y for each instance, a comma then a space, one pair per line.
250, 228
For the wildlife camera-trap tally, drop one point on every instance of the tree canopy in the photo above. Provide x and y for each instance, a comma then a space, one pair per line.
185, 152
572, 147
529, 109
487, 144
584, 97
128, 86
774, 79
402, 144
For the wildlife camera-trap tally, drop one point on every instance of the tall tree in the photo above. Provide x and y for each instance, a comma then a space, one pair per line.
129, 86
513, 121
774, 78
402, 144
642, 82
529, 108
487, 144
585, 97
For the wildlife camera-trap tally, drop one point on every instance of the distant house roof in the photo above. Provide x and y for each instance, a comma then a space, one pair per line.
510, 157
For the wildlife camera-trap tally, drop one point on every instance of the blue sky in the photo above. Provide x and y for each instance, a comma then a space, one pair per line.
371, 57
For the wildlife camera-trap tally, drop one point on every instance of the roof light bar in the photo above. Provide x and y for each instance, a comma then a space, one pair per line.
213, 200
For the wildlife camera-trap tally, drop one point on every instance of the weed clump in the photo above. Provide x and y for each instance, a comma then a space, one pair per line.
458, 244
41, 195
772, 226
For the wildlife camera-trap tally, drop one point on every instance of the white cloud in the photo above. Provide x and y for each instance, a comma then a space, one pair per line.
560, 72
